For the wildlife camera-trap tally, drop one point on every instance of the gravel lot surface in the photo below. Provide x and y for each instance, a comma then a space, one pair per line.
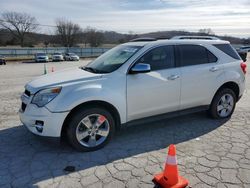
211, 153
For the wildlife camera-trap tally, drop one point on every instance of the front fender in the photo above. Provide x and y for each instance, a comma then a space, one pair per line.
74, 96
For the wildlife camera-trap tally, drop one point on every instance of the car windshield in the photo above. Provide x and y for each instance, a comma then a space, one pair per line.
71, 54
112, 59
41, 54
57, 54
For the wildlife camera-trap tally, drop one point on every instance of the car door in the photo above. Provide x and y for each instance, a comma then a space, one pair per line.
155, 92
200, 72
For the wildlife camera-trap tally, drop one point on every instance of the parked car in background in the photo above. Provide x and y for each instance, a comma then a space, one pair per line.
134, 83
41, 57
2, 60
71, 57
243, 55
242, 51
57, 57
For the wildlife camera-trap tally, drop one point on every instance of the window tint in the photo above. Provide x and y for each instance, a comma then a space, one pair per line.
159, 58
192, 55
211, 57
229, 50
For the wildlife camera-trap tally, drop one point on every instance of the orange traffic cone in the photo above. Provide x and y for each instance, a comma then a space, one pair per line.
170, 178
52, 69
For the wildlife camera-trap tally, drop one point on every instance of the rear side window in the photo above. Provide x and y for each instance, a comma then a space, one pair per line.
194, 55
229, 50
159, 58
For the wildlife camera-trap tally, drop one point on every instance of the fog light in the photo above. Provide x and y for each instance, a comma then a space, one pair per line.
39, 126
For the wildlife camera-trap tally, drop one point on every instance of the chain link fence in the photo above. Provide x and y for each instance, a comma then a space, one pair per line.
30, 52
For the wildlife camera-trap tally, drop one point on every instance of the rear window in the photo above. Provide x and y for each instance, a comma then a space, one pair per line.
229, 50
41, 54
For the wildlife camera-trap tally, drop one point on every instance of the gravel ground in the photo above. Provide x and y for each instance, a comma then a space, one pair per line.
211, 153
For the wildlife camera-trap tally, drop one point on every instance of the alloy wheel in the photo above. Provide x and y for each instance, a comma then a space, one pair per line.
225, 105
92, 130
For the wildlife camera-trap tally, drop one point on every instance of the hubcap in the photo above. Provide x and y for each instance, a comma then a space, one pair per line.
225, 105
92, 130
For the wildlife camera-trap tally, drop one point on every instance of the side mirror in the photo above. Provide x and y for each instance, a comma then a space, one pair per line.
140, 68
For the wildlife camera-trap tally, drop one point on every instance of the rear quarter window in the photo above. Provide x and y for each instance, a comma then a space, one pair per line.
229, 50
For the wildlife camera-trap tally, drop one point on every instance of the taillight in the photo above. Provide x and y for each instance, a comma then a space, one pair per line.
243, 67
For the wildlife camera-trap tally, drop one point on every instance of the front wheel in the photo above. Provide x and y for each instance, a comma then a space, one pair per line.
90, 129
223, 104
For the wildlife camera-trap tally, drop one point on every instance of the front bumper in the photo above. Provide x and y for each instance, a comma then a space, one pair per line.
52, 122
41, 60
74, 58
57, 59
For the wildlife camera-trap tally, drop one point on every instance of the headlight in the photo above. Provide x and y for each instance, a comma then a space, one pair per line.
44, 96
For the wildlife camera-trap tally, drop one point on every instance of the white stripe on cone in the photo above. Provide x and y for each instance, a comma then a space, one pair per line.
171, 160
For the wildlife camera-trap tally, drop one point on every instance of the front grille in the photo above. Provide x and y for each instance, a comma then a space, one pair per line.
23, 106
27, 93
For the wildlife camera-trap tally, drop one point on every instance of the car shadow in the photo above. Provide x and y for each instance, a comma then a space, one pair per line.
28, 156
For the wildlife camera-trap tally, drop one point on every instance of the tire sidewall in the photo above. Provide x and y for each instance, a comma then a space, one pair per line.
217, 97
78, 116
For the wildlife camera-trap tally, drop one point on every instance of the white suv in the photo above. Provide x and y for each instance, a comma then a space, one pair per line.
132, 83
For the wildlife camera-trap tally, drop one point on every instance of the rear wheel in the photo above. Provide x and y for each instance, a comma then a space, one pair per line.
90, 129
223, 104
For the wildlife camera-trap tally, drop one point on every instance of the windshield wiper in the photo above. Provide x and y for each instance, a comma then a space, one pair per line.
90, 69
93, 70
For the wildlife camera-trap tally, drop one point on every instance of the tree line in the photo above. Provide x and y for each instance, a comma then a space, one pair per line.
67, 33
21, 28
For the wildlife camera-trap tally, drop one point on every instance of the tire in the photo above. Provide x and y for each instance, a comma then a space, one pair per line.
84, 138
223, 104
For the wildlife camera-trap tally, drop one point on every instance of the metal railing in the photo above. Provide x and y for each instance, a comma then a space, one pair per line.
81, 52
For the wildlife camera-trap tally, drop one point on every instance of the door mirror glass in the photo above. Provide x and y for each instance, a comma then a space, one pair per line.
140, 68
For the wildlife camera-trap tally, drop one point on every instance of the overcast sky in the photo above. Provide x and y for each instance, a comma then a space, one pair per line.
224, 17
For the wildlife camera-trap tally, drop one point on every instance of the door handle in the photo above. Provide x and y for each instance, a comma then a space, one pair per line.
213, 69
173, 77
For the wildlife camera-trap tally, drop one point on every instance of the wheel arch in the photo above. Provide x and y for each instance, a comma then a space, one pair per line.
230, 85
109, 107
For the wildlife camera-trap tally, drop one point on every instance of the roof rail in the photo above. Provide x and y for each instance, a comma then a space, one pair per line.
195, 37
143, 39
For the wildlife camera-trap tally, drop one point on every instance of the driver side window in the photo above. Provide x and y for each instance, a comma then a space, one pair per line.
159, 58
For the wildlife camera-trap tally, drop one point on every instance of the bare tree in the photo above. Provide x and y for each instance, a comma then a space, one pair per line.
19, 24
93, 37
68, 32
206, 31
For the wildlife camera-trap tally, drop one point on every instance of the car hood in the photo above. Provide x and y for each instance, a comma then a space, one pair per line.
61, 78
